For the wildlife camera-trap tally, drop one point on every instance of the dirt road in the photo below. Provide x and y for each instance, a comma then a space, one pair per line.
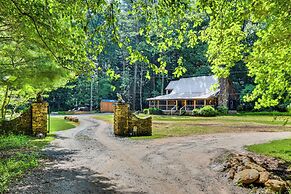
90, 159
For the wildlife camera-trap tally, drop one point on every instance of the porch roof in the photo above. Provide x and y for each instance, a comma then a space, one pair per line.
186, 96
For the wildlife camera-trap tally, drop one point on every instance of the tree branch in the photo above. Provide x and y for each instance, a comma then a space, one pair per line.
36, 28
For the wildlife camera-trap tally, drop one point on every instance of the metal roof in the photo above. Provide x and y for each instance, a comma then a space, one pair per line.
107, 100
191, 88
171, 85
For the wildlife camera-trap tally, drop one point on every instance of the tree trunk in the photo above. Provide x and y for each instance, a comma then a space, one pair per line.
134, 87
163, 82
140, 88
3, 111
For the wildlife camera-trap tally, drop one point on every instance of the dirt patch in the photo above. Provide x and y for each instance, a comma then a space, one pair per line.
92, 156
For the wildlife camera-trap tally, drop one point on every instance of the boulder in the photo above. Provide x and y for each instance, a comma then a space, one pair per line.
246, 176
264, 177
251, 165
275, 185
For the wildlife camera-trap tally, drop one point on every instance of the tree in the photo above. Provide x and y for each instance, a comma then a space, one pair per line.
43, 44
230, 24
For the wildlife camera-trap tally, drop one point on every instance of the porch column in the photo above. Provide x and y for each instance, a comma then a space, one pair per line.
185, 102
176, 104
158, 104
204, 102
194, 104
166, 104
154, 104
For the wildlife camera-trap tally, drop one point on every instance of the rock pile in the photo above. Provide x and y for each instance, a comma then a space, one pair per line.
260, 171
73, 119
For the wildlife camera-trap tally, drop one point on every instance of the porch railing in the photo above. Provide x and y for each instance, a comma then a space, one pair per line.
173, 110
183, 108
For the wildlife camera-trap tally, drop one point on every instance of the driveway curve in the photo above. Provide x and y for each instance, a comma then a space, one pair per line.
90, 159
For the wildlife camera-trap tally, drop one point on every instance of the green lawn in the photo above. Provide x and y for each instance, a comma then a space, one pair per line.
278, 149
19, 153
173, 126
59, 124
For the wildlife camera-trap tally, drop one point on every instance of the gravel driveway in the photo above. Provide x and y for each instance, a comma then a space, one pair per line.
90, 159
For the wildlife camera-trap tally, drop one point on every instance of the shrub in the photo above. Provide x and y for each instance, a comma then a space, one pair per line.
196, 112
222, 110
153, 111
206, 111
146, 111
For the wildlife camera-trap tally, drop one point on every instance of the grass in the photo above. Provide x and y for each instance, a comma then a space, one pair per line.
278, 149
19, 153
175, 126
59, 124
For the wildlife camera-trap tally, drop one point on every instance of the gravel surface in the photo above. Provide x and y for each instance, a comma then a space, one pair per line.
90, 159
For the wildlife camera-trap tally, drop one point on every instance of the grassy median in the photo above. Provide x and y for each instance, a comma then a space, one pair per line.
175, 126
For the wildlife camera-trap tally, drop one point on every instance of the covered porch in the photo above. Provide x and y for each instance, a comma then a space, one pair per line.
180, 106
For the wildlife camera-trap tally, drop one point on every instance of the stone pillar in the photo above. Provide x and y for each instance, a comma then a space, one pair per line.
39, 113
121, 114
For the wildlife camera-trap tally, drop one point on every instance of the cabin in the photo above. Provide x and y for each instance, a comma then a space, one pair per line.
107, 106
186, 94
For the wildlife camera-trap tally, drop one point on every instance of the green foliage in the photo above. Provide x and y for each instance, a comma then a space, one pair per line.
146, 111
14, 162
20, 153
196, 112
248, 89
77, 93
153, 111
222, 110
15, 166
206, 111
49, 42
13, 142
252, 32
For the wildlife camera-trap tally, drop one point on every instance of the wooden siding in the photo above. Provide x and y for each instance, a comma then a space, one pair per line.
106, 106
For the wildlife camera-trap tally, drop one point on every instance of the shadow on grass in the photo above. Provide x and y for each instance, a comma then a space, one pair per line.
51, 178
80, 180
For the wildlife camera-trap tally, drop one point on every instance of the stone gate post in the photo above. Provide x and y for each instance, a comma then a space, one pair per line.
39, 118
121, 114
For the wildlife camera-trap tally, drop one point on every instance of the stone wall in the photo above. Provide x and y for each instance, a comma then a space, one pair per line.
19, 125
139, 126
30, 122
227, 96
128, 124
224, 92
